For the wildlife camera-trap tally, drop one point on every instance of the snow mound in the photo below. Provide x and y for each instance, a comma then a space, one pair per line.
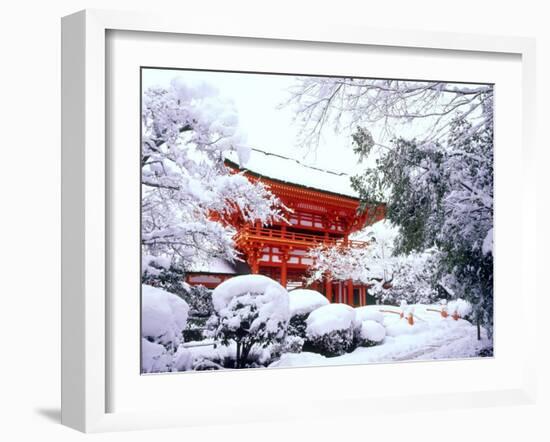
163, 315
303, 301
329, 318
268, 296
402, 327
154, 357
372, 331
182, 359
460, 306
303, 359
369, 313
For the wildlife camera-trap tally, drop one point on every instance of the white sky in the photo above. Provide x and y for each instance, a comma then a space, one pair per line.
256, 98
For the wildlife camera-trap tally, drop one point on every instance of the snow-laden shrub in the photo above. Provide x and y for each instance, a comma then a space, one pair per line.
199, 299
154, 358
250, 310
330, 329
293, 344
157, 271
201, 308
163, 318
370, 333
302, 303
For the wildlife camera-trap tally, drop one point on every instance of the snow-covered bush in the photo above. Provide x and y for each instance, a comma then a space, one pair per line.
302, 303
369, 326
157, 271
163, 318
370, 333
250, 310
293, 344
330, 329
199, 299
201, 309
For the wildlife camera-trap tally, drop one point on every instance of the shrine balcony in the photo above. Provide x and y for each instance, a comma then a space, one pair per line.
250, 234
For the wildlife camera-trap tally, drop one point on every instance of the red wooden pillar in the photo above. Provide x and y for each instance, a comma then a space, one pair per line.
284, 259
254, 260
283, 273
255, 267
363, 295
350, 292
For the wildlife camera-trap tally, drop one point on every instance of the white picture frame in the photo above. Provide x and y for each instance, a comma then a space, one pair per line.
85, 313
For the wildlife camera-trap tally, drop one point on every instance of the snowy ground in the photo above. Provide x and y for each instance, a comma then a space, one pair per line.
431, 337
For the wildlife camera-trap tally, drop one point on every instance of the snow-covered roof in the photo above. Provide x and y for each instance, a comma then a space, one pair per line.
219, 265
292, 171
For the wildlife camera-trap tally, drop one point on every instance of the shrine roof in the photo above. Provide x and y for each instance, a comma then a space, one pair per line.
220, 266
291, 171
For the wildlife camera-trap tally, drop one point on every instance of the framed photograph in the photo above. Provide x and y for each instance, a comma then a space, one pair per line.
290, 214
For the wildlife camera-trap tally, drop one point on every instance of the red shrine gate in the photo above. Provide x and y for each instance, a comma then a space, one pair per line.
280, 251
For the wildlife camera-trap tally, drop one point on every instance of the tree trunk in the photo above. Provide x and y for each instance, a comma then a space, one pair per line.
245, 353
238, 357
478, 330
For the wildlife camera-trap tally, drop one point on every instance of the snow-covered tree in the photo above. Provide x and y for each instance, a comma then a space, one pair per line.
365, 264
251, 310
441, 194
187, 192
415, 279
435, 174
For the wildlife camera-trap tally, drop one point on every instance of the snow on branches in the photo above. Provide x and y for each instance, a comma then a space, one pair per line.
364, 264
351, 102
185, 133
391, 278
435, 174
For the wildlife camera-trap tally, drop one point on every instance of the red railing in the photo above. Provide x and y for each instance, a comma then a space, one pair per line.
261, 233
